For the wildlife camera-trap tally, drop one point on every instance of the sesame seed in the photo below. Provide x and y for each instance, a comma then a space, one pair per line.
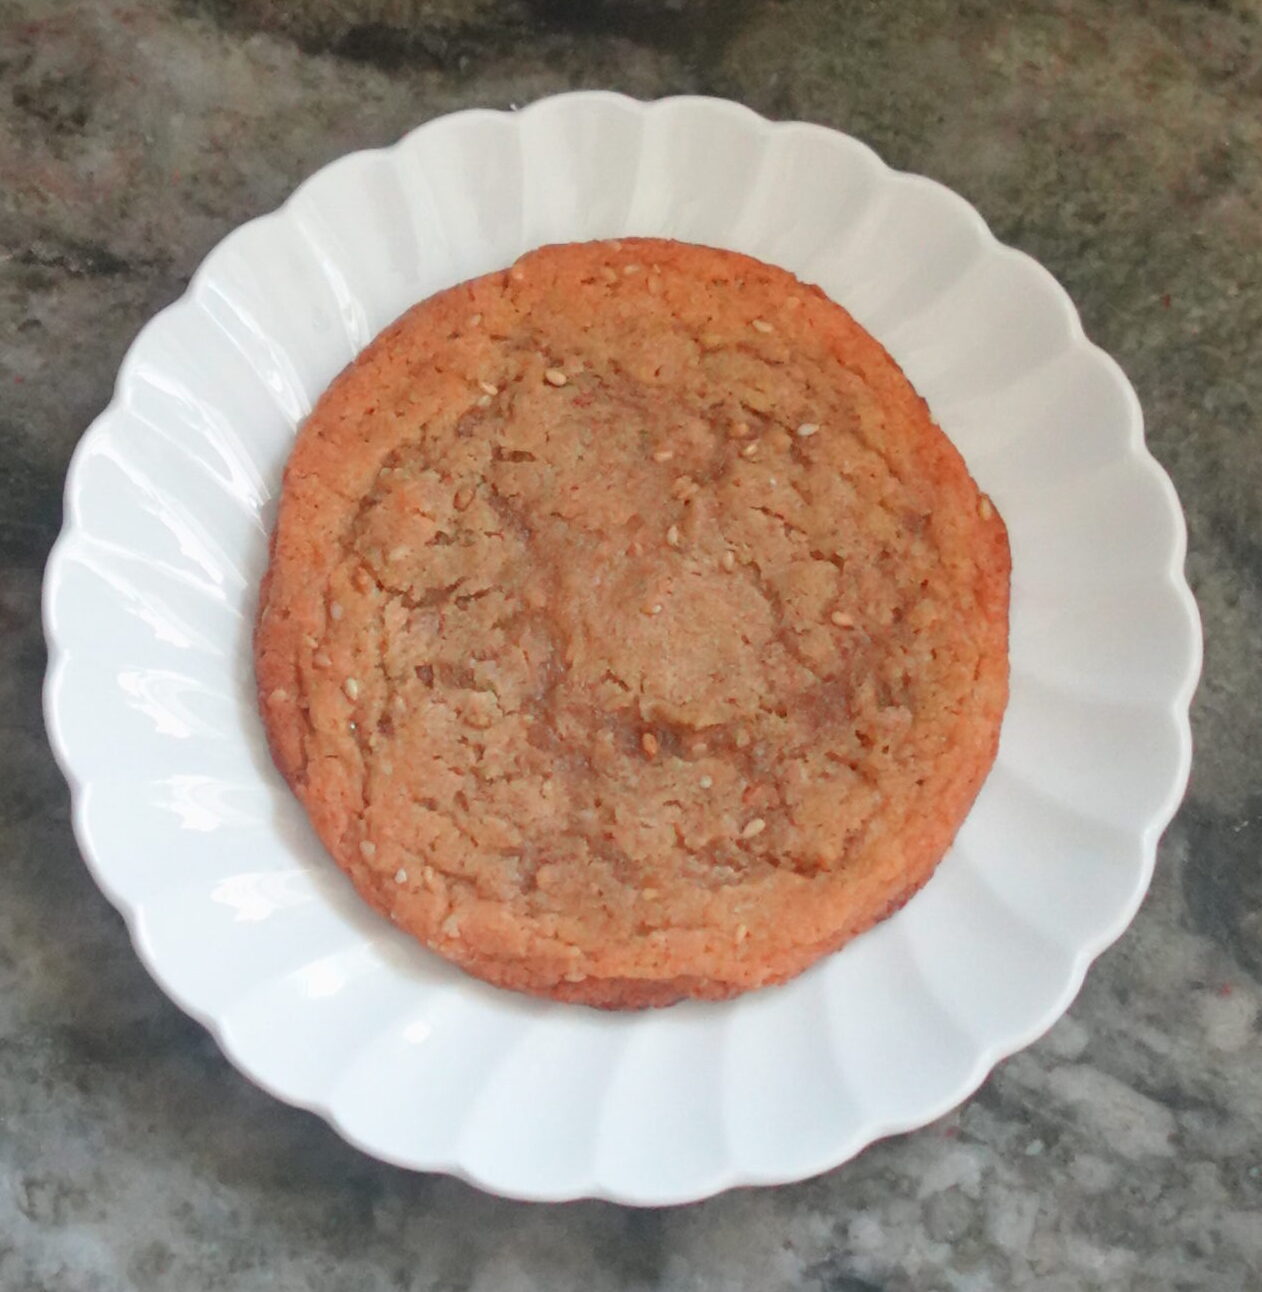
608, 274
741, 738
475, 319
742, 932
278, 696
706, 782
478, 719
761, 325
367, 849
631, 269
400, 876
753, 828
793, 302
555, 377
648, 742
841, 620
699, 748
464, 496
729, 560
351, 687
321, 660
615, 244
335, 610
985, 509
451, 926
488, 388
806, 430
672, 536
398, 553
750, 449
517, 273
652, 608
648, 893
663, 455
738, 430
483, 401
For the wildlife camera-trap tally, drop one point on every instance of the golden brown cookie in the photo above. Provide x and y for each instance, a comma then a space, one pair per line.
631, 631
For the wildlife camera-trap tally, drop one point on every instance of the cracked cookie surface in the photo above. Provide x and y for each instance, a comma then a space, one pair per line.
631, 632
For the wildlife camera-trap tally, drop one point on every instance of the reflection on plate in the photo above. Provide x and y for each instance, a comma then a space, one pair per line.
245, 922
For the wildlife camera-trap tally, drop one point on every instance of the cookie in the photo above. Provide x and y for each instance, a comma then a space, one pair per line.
631, 632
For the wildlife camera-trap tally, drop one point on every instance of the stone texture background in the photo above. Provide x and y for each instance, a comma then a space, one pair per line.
1121, 144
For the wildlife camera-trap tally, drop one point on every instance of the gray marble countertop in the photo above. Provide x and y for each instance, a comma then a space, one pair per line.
1119, 143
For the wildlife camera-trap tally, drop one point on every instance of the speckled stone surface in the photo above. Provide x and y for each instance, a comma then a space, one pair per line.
1119, 143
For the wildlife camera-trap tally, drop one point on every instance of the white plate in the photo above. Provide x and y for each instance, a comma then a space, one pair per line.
242, 918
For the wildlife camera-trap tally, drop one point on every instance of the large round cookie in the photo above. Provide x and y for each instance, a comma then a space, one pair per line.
631, 631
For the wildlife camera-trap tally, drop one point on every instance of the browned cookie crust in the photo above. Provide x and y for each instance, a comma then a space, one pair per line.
631, 631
